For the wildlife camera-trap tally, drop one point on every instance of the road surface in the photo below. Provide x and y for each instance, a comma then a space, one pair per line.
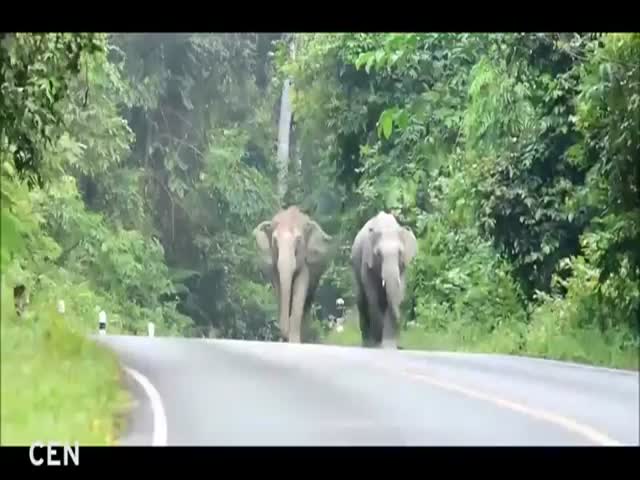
228, 392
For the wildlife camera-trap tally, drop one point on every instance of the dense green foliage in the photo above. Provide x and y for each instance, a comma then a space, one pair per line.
56, 384
515, 158
134, 168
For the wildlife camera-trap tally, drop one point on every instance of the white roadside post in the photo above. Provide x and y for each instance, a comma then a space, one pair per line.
102, 322
61, 306
151, 329
340, 319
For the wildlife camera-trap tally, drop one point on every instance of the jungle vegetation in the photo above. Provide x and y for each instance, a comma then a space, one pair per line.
134, 167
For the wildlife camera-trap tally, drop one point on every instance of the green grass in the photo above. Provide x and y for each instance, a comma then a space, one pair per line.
411, 339
414, 339
57, 385
582, 346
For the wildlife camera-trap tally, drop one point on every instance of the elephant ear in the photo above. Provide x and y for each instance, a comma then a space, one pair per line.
410, 244
367, 248
318, 244
262, 234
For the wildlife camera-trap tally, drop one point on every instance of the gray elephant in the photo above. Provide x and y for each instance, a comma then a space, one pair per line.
380, 254
295, 253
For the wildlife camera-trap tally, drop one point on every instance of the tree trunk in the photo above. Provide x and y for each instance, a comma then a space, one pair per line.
284, 133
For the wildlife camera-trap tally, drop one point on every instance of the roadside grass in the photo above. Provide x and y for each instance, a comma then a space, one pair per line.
414, 339
580, 346
614, 349
56, 384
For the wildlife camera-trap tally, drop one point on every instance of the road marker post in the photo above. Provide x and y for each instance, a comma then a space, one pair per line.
151, 328
340, 320
102, 322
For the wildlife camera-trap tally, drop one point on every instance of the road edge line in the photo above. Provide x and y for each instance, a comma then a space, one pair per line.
569, 424
159, 437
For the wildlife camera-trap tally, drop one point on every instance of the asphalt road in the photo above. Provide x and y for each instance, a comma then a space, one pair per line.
226, 392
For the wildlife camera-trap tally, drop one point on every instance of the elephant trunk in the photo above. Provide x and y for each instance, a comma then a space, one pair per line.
392, 285
286, 267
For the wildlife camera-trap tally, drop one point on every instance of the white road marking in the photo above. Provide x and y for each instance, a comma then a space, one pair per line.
159, 438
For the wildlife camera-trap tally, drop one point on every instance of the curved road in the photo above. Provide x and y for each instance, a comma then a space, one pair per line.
231, 392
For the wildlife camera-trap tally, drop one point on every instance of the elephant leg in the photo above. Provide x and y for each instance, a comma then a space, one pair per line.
275, 282
283, 328
298, 297
377, 327
308, 303
311, 291
389, 331
376, 323
374, 314
368, 324
364, 320
363, 313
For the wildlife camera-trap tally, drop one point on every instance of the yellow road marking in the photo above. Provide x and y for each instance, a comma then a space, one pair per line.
568, 424
571, 425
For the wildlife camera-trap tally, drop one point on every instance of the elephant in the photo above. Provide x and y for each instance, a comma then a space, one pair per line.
380, 254
295, 254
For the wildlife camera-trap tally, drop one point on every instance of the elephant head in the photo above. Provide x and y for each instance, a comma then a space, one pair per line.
382, 251
294, 249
